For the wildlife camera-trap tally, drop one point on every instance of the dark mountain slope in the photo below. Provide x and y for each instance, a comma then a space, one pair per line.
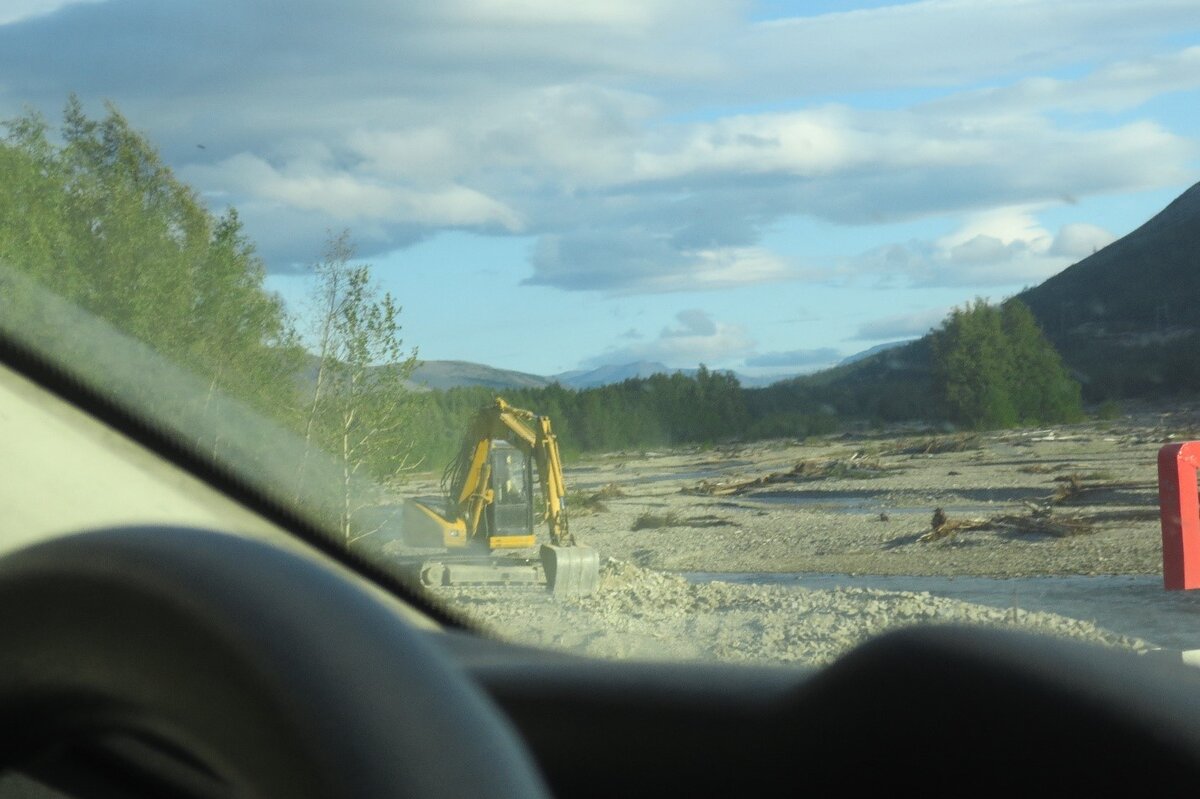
1124, 318
1145, 282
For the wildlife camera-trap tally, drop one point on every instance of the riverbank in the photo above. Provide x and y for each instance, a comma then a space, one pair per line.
1075, 500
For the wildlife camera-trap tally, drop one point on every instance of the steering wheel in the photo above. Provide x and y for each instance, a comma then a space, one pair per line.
253, 670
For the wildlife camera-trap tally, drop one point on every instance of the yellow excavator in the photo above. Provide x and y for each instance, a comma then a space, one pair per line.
490, 507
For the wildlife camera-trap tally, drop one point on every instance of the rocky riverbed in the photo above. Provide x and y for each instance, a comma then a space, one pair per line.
1072, 500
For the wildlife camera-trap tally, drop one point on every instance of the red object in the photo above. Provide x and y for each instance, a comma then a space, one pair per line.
1179, 508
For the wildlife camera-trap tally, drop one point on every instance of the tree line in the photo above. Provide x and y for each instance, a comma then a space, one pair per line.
988, 367
709, 406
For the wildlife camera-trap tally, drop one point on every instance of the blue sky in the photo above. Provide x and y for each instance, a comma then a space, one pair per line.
762, 186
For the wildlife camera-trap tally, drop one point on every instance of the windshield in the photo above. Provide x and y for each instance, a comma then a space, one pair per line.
722, 330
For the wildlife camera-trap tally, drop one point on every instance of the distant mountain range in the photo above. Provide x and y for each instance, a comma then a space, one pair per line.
614, 373
442, 375
455, 374
867, 353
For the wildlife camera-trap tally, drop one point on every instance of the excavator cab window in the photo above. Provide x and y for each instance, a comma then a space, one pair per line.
512, 484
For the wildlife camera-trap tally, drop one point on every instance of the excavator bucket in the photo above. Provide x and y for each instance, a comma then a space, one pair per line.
571, 570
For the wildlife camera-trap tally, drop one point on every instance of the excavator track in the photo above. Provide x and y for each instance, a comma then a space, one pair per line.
481, 570
564, 571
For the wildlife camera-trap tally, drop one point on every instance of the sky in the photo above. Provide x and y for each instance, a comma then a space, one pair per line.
545, 186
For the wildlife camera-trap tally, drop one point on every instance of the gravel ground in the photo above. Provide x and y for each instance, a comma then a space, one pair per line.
650, 615
853, 504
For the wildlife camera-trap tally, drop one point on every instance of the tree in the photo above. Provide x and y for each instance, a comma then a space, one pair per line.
100, 221
994, 369
1042, 389
972, 367
360, 410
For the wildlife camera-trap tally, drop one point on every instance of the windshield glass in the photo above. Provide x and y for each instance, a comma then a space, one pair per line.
718, 330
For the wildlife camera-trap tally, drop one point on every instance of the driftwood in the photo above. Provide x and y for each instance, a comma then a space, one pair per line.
1040, 521
941, 526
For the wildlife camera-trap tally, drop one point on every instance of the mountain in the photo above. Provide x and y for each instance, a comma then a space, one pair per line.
453, 374
1144, 282
1121, 319
867, 353
612, 373
617, 373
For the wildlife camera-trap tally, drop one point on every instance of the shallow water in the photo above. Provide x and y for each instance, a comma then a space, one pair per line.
708, 472
1127, 604
832, 502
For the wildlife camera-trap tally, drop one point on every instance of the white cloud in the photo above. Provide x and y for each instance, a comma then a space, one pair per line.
345, 197
801, 143
722, 268
804, 358
859, 166
696, 338
591, 125
634, 261
901, 326
622, 15
951, 42
692, 323
16, 10
558, 135
999, 247
1079, 240
1116, 87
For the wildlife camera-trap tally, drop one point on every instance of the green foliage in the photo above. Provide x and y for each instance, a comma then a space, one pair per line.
360, 409
661, 410
993, 368
892, 386
99, 220
95, 217
1043, 391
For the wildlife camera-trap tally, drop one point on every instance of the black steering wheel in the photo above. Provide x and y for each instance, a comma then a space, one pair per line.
236, 667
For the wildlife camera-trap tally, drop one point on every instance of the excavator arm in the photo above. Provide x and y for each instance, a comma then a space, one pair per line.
466, 481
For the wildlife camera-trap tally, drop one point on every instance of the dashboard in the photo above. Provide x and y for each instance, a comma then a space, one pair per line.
164, 638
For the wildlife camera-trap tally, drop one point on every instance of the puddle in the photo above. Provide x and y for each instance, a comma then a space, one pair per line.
711, 473
841, 503
1135, 605
631, 476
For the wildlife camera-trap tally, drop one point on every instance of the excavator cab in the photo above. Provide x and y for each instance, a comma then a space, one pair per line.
508, 519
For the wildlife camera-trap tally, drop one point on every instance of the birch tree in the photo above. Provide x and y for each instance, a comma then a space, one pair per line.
361, 410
